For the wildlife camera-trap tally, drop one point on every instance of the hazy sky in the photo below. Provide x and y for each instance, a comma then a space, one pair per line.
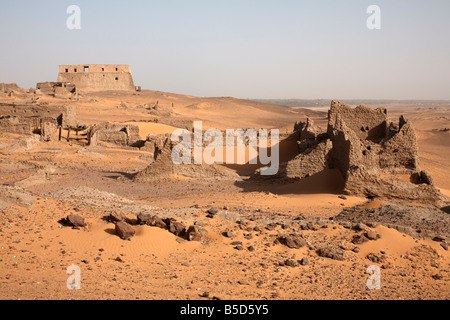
241, 48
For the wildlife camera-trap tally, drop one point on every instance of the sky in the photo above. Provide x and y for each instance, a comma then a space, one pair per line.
261, 49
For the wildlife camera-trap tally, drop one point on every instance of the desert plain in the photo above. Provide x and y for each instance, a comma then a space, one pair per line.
211, 232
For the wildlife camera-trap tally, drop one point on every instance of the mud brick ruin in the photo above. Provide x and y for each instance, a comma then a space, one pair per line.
369, 151
97, 76
57, 89
31, 118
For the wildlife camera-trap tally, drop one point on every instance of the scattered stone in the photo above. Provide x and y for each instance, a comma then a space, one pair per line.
439, 238
437, 276
177, 228
359, 239
359, 227
304, 261
376, 258
291, 263
124, 230
309, 226
239, 248
74, 221
236, 243
342, 197
119, 259
194, 233
356, 249
199, 223
292, 241
228, 234
371, 235
251, 248
332, 253
144, 218
243, 282
271, 226
115, 217
444, 245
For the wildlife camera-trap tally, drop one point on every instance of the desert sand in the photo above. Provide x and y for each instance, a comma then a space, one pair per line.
242, 254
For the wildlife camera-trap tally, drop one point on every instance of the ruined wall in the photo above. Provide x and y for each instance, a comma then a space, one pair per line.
370, 153
29, 118
365, 122
65, 113
8, 87
363, 137
99, 77
118, 134
56, 88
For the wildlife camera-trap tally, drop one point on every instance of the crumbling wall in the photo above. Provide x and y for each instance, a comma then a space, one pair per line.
57, 89
28, 118
367, 150
163, 166
8, 87
118, 134
13, 124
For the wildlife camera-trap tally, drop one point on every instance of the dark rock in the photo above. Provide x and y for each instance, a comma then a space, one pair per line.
212, 211
371, 235
359, 227
75, 221
309, 226
228, 234
156, 221
444, 245
291, 263
124, 230
331, 252
356, 249
359, 238
439, 238
271, 226
177, 228
376, 258
251, 248
115, 217
304, 262
194, 233
239, 248
236, 243
292, 241
144, 218
342, 197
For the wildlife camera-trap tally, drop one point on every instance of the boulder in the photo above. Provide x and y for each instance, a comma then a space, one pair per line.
75, 221
195, 233
124, 230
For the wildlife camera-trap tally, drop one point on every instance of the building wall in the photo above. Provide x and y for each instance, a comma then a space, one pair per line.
97, 76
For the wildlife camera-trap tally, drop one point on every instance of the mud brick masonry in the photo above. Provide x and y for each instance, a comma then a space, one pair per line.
97, 76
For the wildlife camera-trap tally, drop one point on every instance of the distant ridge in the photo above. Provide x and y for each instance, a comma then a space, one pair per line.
311, 103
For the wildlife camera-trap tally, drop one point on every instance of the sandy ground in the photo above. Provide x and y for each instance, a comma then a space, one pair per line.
44, 182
